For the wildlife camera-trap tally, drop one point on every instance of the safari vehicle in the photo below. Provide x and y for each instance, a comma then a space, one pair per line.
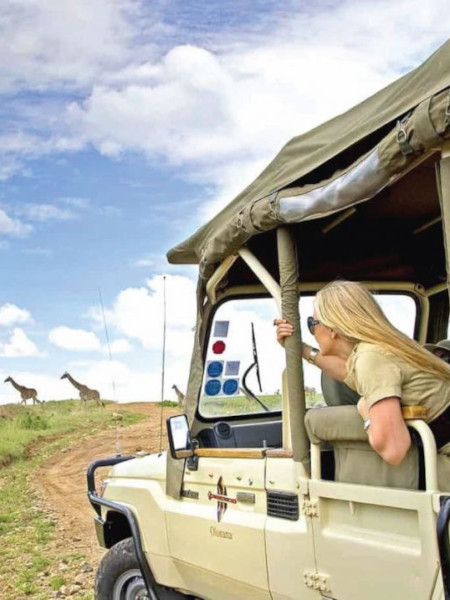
258, 497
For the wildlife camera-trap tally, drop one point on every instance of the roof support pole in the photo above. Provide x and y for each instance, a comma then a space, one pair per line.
443, 187
287, 261
263, 275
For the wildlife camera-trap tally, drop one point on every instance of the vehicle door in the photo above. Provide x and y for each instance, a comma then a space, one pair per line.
375, 542
289, 532
216, 531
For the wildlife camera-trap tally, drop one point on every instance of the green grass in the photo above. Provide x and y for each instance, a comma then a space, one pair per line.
26, 531
22, 426
170, 403
240, 405
57, 582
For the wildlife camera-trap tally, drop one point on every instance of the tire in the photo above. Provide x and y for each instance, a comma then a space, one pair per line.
119, 577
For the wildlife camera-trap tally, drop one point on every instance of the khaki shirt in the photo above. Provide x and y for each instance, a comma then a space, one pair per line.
376, 374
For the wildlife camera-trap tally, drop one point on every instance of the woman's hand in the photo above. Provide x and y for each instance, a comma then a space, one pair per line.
284, 330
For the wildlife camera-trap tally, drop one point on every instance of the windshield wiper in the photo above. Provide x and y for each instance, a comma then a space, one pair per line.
247, 391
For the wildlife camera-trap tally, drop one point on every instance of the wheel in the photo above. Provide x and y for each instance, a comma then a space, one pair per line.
119, 577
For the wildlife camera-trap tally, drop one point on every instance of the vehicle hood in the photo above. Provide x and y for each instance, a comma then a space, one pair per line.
151, 466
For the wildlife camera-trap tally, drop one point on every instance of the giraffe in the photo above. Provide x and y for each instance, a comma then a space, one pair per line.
25, 393
179, 394
85, 392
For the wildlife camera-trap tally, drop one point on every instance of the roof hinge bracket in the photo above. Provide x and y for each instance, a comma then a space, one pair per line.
310, 508
317, 581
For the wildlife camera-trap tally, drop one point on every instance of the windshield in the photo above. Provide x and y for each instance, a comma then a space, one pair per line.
244, 362
233, 361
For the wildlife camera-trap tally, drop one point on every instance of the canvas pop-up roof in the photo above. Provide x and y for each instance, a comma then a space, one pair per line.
363, 154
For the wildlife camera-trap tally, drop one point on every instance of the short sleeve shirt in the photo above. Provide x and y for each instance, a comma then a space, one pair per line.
376, 374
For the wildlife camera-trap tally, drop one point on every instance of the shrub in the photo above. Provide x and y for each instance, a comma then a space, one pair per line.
34, 422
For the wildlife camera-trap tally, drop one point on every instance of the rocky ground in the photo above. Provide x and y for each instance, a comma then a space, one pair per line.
60, 490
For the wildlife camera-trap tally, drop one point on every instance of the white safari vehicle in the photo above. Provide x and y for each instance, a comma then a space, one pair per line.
261, 497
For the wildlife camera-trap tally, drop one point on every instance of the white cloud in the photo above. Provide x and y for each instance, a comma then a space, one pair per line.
228, 111
116, 380
205, 107
121, 346
138, 312
48, 42
38, 251
80, 340
18, 345
61, 47
109, 211
13, 227
187, 96
74, 339
65, 209
130, 385
18, 147
151, 261
10, 314
44, 212
80, 203
228, 105
145, 262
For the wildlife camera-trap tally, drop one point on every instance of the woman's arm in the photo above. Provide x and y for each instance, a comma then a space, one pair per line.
334, 366
388, 434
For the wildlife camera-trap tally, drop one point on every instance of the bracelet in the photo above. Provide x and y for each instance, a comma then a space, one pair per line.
312, 356
366, 424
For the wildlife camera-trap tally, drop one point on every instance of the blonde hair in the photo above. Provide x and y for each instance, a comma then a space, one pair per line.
352, 311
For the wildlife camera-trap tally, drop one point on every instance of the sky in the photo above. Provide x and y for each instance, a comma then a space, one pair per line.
124, 126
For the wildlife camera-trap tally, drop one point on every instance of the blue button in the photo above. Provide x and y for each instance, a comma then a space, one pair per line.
215, 368
212, 387
230, 386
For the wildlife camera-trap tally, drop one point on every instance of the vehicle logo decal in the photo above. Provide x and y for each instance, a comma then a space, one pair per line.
220, 533
222, 499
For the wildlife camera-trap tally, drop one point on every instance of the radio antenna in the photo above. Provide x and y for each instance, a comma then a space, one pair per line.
118, 449
163, 363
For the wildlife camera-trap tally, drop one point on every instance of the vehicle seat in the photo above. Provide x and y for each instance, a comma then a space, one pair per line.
337, 393
355, 461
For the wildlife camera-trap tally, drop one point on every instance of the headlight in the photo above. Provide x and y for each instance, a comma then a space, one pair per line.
103, 487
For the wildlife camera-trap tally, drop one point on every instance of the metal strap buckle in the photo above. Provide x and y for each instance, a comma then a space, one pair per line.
402, 137
447, 113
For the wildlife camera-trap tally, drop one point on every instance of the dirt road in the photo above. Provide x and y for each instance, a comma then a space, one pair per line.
61, 483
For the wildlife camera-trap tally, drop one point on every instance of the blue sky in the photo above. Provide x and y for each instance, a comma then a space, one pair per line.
124, 125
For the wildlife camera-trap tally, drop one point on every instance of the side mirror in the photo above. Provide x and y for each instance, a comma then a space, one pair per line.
180, 440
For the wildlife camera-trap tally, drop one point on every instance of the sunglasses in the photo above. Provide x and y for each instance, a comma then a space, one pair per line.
311, 323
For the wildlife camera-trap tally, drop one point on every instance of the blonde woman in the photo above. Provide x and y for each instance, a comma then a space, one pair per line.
360, 347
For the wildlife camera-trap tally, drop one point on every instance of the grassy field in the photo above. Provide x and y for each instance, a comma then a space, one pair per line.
28, 436
240, 405
21, 426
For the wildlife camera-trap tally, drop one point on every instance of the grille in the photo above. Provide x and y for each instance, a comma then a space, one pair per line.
283, 505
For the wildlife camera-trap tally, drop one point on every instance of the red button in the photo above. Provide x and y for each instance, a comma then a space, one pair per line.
218, 347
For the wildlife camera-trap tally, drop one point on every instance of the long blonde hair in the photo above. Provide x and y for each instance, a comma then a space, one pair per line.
352, 311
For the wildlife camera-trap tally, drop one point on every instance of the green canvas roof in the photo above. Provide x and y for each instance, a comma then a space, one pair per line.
317, 155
